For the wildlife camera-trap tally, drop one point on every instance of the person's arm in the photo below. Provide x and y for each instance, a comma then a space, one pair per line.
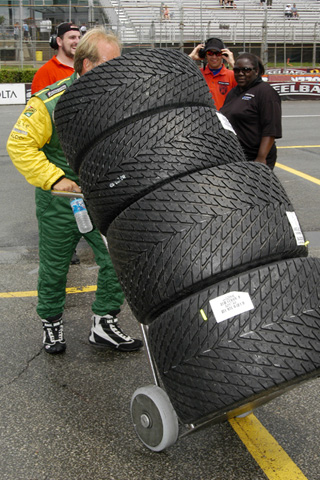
31, 132
194, 55
265, 147
269, 107
228, 56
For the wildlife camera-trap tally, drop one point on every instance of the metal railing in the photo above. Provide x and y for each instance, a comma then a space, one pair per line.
267, 32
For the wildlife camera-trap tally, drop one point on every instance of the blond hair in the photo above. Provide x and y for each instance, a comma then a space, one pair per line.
87, 47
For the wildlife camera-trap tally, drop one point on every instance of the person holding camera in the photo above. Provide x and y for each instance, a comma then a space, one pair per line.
220, 79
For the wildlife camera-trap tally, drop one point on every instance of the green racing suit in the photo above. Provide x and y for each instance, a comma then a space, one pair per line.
35, 150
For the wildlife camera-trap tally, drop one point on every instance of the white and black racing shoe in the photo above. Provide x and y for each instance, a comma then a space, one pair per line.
105, 332
53, 336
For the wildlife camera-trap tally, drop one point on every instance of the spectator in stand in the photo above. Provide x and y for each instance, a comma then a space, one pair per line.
60, 66
26, 31
83, 29
230, 4
220, 80
253, 108
288, 11
166, 13
16, 31
294, 11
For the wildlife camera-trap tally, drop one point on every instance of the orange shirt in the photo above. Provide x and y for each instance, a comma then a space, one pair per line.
49, 73
220, 84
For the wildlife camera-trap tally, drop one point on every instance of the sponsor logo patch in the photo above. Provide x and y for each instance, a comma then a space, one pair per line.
56, 90
223, 89
23, 132
29, 111
248, 96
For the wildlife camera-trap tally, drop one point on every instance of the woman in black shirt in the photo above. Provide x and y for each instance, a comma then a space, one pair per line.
253, 108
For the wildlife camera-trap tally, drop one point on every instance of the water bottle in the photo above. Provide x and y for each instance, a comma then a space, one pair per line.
81, 215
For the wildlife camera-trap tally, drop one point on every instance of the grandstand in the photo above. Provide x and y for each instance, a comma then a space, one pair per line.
250, 26
141, 21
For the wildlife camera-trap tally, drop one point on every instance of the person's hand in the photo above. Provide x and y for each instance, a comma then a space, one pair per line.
228, 56
195, 52
67, 185
261, 160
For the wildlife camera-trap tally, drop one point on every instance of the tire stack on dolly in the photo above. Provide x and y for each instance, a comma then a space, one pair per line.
206, 246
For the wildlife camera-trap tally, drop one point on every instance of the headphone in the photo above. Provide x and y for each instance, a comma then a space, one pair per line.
53, 40
202, 51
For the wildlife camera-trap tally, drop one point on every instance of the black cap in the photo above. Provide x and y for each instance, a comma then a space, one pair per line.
66, 27
214, 44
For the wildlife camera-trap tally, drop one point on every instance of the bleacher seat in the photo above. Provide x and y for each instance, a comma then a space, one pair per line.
141, 21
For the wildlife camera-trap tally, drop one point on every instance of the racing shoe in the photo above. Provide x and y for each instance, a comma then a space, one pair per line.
105, 332
75, 260
53, 337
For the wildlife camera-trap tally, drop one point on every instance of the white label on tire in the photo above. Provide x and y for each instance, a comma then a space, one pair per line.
225, 122
230, 304
292, 217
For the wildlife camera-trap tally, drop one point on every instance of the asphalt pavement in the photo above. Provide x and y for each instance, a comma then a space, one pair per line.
67, 417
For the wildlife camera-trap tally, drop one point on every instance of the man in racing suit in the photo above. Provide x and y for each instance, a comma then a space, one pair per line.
34, 148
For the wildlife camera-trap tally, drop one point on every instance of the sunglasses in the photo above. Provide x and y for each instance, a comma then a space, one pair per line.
242, 70
211, 53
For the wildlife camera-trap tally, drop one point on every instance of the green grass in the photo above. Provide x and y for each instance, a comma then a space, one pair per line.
292, 64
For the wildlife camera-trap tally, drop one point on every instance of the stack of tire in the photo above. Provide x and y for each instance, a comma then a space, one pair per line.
206, 245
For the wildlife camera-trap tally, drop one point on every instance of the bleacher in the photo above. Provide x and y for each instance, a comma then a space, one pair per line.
142, 22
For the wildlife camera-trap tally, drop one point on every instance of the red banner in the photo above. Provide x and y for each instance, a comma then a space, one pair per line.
299, 85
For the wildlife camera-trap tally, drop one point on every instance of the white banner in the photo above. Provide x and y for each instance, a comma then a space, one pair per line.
12, 93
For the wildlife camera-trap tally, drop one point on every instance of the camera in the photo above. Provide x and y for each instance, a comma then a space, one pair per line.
202, 53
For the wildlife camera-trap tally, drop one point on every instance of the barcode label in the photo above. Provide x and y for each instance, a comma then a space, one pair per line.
231, 304
294, 222
225, 122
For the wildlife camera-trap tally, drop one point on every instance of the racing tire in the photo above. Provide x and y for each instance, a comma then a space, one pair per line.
150, 152
130, 86
198, 229
213, 359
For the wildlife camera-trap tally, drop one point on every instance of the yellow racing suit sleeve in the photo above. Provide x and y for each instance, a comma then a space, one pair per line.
31, 132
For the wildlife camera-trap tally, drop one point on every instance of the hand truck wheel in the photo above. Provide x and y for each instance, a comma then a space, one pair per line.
154, 419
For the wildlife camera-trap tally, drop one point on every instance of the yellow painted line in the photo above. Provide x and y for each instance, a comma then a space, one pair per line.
34, 293
300, 146
298, 173
270, 456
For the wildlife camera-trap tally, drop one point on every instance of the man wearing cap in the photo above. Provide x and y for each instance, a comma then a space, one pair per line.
61, 65
220, 80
